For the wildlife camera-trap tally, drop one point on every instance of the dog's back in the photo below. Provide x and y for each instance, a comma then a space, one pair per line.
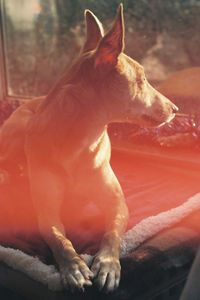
17, 212
12, 134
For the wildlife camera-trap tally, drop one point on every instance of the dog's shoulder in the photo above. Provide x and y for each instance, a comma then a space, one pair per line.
18, 120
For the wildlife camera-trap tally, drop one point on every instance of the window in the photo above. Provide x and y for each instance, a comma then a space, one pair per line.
40, 37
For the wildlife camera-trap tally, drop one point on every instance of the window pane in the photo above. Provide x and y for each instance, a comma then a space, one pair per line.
38, 45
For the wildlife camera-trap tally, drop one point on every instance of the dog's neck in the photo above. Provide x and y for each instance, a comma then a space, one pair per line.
74, 116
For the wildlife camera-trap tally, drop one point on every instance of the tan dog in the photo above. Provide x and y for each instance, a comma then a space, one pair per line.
62, 142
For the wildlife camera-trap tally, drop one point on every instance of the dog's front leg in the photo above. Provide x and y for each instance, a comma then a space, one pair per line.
47, 190
75, 274
106, 265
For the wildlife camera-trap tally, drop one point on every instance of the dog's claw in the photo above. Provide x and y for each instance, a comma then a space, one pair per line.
76, 275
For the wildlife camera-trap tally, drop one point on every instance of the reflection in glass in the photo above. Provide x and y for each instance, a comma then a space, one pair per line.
41, 37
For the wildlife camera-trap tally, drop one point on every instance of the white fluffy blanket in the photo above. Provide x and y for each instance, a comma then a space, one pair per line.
145, 229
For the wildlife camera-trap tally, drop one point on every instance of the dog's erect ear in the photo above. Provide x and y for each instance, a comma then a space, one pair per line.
112, 44
94, 31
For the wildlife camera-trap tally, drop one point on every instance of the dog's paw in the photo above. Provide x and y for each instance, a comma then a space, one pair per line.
75, 274
106, 270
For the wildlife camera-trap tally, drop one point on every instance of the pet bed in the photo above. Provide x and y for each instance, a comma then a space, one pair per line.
161, 183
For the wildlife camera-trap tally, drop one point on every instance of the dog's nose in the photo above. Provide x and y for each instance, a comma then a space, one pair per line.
175, 109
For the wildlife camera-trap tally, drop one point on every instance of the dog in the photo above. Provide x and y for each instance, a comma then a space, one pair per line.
61, 143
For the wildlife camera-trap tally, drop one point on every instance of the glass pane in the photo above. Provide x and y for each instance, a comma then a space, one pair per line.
40, 40
43, 36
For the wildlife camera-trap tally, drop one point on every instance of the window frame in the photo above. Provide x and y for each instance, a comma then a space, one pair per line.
4, 96
3, 80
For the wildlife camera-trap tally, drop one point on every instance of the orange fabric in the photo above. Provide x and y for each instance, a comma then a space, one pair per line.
151, 184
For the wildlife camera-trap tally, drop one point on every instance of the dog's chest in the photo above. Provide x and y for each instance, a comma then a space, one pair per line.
90, 154
80, 210
83, 220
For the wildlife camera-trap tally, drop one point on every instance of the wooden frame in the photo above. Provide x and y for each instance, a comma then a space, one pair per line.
4, 95
3, 77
